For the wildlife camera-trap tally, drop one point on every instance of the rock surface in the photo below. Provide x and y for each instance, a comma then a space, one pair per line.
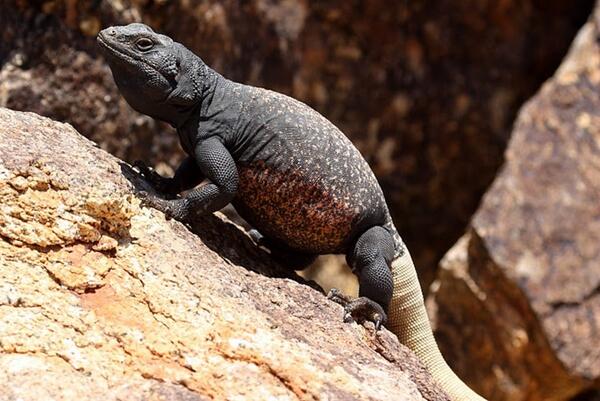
102, 299
427, 90
519, 294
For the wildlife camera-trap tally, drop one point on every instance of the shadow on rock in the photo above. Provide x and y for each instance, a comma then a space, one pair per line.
225, 238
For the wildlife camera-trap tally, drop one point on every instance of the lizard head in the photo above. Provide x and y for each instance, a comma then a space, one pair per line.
156, 75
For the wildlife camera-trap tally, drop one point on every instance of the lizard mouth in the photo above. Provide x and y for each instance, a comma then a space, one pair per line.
109, 48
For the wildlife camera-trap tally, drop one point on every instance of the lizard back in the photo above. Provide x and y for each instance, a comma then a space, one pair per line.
302, 182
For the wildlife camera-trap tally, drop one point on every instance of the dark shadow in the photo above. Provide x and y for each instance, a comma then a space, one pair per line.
588, 395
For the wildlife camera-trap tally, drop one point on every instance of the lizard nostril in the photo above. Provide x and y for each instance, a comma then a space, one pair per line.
112, 32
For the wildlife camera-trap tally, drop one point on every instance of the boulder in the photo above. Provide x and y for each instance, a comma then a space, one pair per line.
101, 298
519, 295
427, 90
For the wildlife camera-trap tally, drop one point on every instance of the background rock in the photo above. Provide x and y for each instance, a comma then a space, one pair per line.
102, 299
427, 90
519, 295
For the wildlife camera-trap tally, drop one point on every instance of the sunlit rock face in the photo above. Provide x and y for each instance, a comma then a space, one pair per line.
518, 296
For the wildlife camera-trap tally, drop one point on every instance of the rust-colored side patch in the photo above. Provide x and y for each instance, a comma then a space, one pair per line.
288, 206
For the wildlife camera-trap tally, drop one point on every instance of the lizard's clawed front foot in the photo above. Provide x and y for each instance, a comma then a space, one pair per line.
168, 207
359, 309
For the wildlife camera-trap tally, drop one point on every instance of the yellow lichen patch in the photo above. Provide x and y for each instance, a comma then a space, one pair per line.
113, 213
105, 243
78, 267
36, 209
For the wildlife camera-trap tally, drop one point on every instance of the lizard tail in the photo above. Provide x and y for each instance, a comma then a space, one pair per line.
408, 320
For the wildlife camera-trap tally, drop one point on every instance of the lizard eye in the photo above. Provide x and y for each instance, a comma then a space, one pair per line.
144, 44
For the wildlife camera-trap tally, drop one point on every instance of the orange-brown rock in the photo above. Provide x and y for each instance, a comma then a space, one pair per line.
519, 295
428, 90
103, 299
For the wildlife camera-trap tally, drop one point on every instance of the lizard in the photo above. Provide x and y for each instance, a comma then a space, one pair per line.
286, 169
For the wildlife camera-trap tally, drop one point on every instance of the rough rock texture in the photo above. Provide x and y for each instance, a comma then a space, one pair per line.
427, 90
102, 299
519, 294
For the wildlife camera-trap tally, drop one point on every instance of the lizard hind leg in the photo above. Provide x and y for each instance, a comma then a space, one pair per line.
370, 259
398, 292
292, 259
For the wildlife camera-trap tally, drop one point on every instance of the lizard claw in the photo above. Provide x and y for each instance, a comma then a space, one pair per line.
153, 201
359, 309
143, 195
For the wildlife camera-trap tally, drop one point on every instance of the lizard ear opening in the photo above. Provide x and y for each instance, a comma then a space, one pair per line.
186, 84
185, 92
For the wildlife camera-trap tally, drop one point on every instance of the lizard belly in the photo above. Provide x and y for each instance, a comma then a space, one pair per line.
293, 208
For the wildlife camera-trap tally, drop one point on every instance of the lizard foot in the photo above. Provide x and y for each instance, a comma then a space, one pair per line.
359, 309
157, 181
168, 207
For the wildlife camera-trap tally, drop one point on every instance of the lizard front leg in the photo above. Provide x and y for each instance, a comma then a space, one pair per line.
215, 163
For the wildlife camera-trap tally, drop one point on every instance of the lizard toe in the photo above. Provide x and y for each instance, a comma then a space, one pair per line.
361, 309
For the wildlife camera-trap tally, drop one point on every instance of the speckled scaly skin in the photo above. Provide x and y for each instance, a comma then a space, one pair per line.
302, 182
286, 169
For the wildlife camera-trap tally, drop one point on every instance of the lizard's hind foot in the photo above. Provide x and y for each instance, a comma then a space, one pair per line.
359, 309
370, 259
